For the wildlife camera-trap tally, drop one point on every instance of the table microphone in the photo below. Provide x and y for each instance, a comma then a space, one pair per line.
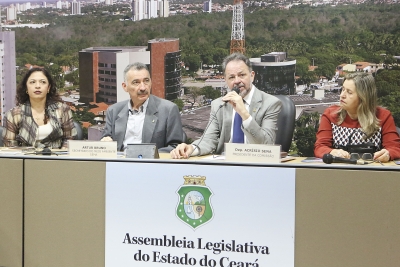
328, 159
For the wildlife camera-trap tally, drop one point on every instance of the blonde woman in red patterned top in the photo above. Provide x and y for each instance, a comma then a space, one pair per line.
357, 120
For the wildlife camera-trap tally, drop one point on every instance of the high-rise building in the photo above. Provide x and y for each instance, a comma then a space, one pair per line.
109, 2
7, 72
101, 72
163, 8
59, 4
144, 9
165, 68
275, 73
207, 6
11, 13
76, 8
147, 9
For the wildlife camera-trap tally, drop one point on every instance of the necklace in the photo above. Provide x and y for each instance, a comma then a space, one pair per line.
38, 117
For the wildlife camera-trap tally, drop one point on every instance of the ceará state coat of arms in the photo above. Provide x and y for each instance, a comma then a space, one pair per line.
194, 206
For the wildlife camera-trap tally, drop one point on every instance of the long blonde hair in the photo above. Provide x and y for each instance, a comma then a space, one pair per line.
366, 110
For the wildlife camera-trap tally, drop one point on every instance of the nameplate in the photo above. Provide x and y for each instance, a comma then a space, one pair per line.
253, 153
92, 149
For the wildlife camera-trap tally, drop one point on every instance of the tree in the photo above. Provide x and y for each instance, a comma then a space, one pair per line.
179, 103
83, 114
194, 93
305, 132
327, 70
58, 76
210, 93
73, 77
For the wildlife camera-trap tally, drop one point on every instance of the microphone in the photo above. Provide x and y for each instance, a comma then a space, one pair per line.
328, 159
45, 152
235, 89
213, 116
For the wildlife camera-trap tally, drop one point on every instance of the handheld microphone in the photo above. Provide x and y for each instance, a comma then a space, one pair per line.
328, 159
213, 116
235, 89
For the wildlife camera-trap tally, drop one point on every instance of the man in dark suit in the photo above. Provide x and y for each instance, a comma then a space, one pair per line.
144, 118
255, 111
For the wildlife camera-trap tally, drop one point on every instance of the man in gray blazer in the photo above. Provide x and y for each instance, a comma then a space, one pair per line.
144, 118
257, 110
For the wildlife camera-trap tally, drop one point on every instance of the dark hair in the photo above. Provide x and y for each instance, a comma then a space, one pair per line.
21, 95
236, 57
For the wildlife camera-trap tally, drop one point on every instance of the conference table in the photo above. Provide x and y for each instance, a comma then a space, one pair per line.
52, 210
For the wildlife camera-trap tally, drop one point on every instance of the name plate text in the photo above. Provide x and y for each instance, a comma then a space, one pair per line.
252, 153
92, 149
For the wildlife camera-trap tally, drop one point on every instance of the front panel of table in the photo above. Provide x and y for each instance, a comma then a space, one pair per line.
11, 204
343, 217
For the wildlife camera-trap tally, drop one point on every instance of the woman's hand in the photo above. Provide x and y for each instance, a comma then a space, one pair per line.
382, 155
340, 153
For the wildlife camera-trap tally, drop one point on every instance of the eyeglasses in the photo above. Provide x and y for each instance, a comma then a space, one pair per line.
367, 157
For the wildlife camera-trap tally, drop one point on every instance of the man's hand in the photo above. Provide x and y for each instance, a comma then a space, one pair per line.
237, 103
182, 151
106, 139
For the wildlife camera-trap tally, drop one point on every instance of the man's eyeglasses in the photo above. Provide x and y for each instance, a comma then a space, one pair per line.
367, 157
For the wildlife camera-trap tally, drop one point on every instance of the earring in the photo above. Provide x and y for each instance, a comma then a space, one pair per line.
26, 91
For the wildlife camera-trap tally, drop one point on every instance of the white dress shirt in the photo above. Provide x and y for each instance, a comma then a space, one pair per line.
134, 126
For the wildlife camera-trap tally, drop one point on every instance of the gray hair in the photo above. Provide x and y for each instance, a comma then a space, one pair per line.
135, 66
236, 57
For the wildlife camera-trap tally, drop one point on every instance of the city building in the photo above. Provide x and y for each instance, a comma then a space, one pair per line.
76, 8
59, 4
7, 72
101, 72
275, 73
207, 6
109, 2
11, 13
163, 8
165, 68
144, 9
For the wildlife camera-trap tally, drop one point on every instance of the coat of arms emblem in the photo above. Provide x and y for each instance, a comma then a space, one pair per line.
194, 207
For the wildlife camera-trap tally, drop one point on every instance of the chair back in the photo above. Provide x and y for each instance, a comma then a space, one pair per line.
286, 123
79, 130
1, 135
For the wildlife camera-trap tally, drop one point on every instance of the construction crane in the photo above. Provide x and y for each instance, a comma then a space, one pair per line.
237, 36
